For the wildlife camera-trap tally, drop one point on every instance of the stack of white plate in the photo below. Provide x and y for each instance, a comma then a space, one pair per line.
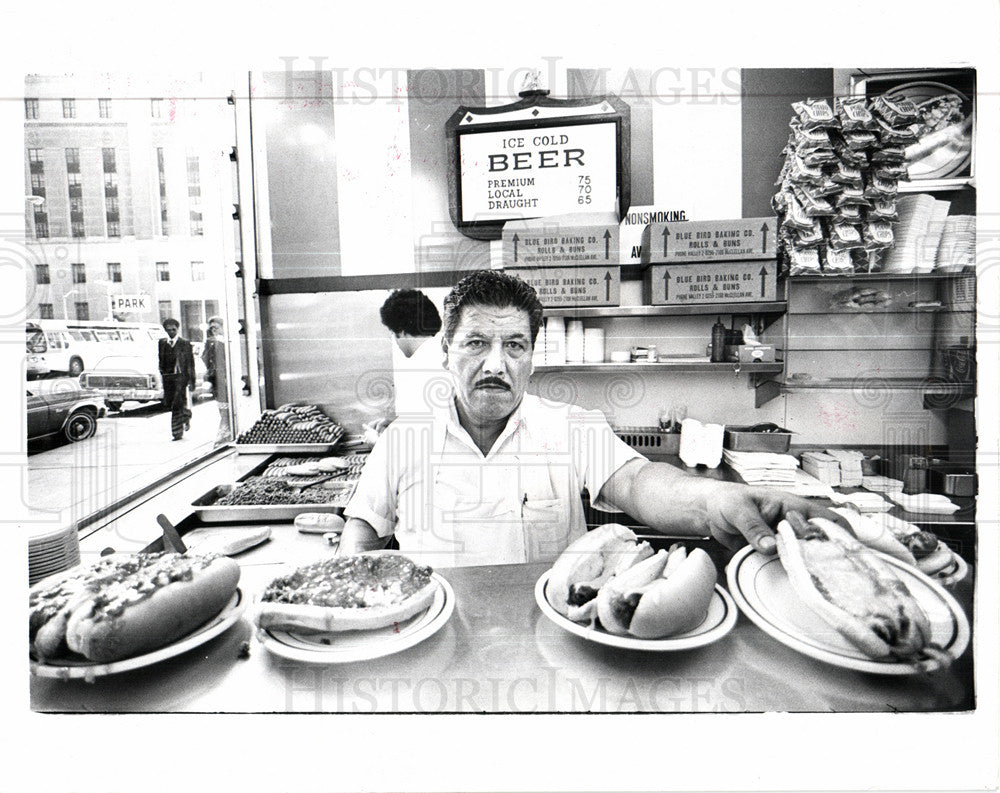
52, 552
957, 249
910, 233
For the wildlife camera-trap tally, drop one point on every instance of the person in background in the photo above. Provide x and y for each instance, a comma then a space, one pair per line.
417, 357
177, 372
214, 358
496, 476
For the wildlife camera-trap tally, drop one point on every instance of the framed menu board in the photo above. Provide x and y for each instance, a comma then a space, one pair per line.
535, 158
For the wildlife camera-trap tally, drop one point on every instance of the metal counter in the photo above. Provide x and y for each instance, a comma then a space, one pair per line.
498, 653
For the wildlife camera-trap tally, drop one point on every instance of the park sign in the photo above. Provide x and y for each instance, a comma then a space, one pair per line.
574, 287
577, 239
707, 283
125, 304
710, 240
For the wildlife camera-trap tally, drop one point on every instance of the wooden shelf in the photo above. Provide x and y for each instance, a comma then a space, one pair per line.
659, 366
775, 307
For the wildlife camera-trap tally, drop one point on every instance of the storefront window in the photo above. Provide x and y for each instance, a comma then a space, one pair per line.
187, 163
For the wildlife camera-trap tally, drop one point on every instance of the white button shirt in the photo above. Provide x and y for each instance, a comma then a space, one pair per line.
449, 505
421, 382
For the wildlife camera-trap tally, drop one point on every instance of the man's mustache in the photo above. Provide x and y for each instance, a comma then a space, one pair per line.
492, 381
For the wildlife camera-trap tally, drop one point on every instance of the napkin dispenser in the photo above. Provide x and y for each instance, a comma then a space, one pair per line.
911, 469
750, 353
951, 479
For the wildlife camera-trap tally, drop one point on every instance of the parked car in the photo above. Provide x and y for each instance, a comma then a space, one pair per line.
71, 411
37, 366
129, 378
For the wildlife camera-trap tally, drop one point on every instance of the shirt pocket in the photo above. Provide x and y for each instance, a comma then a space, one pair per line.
545, 524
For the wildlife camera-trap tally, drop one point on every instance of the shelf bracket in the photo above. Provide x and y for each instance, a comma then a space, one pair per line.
765, 389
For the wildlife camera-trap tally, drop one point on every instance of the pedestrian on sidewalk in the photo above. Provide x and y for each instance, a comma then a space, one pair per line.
177, 372
214, 357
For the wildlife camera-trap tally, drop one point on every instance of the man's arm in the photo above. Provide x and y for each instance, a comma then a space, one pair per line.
358, 536
667, 499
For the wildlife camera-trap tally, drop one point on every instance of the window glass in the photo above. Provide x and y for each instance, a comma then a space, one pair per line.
168, 164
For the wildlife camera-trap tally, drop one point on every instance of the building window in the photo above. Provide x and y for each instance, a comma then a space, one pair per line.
114, 228
38, 183
35, 163
115, 272
76, 207
75, 186
31, 108
45, 311
42, 274
194, 195
41, 225
162, 271
77, 229
82, 310
109, 160
79, 273
161, 167
69, 108
164, 309
111, 204
156, 108
73, 160
197, 271
111, 184
104, 107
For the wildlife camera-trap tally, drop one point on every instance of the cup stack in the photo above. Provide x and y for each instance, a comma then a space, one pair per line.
574, 341
593, 345
555, 340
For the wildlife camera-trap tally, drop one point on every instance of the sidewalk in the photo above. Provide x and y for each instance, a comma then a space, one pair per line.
127, 453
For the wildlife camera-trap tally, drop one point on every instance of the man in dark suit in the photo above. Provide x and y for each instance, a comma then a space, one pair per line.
177, 371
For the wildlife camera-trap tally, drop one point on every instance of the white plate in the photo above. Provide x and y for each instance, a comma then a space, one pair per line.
761, 588
950, 579
720, 620
66, 670
349, 646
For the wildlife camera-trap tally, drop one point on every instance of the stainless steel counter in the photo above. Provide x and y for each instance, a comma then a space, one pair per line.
497, 653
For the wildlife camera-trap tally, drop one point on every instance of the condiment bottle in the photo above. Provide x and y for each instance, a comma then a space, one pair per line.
718, 341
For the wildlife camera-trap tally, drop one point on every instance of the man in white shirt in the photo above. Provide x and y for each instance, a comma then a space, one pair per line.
496, 476
420, 381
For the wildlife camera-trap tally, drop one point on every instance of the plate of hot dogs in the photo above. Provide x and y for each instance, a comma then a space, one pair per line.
608, 587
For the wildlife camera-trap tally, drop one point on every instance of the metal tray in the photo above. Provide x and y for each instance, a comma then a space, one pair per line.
284, 448
209, 512
745, 439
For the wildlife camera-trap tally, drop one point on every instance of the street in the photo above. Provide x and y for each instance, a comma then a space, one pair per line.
130, 450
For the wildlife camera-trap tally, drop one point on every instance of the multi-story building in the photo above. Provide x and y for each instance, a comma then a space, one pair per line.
128, 192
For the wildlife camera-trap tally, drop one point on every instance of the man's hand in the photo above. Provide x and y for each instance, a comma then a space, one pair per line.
672, 501
739, 514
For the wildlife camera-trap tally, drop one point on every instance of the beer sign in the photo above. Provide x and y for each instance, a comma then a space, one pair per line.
537, 158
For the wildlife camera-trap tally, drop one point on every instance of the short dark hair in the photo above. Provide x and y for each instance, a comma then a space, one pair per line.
491, 288
171, 321
410, 311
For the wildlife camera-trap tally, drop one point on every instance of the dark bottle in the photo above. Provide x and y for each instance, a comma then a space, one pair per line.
718, 341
